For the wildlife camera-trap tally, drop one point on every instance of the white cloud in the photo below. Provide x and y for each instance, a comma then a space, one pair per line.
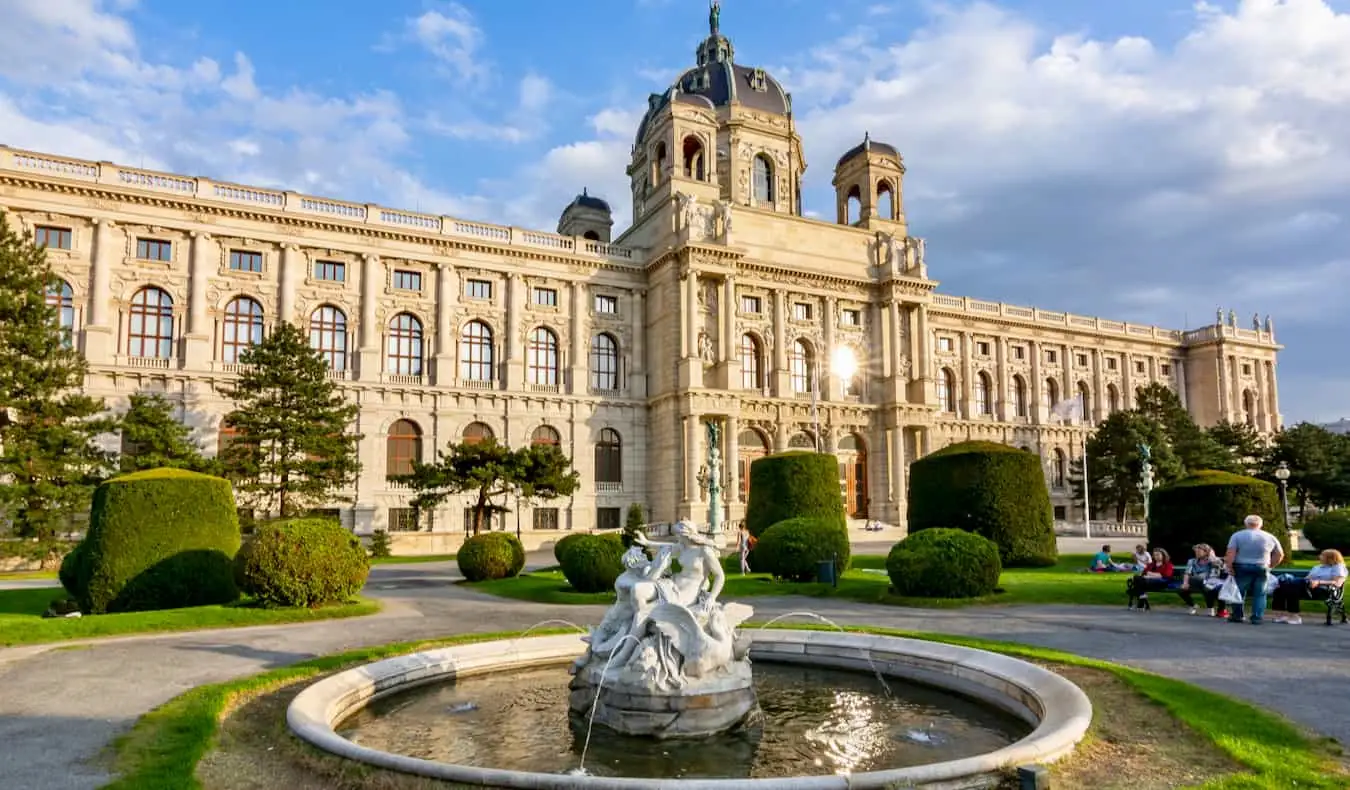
452, 36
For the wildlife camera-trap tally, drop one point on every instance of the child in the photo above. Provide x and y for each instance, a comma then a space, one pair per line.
1142, 558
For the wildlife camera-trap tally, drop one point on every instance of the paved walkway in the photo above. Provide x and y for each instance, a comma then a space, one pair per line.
59, 708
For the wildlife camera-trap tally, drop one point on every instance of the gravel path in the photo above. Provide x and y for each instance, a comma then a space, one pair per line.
61, 706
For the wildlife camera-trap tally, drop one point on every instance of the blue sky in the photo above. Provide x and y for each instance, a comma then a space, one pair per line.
1145, 160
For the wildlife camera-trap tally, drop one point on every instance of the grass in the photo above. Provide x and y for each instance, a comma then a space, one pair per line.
1065, 582
411, 559
6, 576
164, 748
22, 623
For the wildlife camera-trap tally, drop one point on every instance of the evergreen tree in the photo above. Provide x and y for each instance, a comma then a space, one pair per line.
634, 523
152, 438
1191, 446
292, 450
1245, 450
1115, 462
49, 459
1318, 461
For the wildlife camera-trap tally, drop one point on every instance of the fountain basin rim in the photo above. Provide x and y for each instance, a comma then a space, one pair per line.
1057, 709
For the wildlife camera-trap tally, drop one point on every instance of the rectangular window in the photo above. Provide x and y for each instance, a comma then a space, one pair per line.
1246, 369
606, 304
1061, 513
546, 297
332, 271
154, 250
546, 518
751, 304
401, 519
945, 344
801, 311
1139, 367
52, 238
1165, 369
487, 521
982, 348
478, 289
1019, 352
1082, 360
607, 518
1111, 363
245, 261
1051, 356
850, 317
405, 280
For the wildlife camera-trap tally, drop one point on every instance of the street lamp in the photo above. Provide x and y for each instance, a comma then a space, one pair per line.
1282, 474
844, 364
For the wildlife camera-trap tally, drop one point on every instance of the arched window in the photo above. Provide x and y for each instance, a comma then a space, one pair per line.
475, 352
662, 157
592, 235
541, 357
1061, 469
802, 441
885, 200
1085, 401
328, 335
403, 446
545, 434
800, 366
946, 390
1112, 399
763, 181
62, 297
1052, 392
983, 401
1020, 396
604, 363
150, 331
752, 376
853, 206
476, 432
403, 351
694, 166
609, 457
241, 327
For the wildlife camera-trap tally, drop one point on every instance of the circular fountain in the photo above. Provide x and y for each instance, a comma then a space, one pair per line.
664, 687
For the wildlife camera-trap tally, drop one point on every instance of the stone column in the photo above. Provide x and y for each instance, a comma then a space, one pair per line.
1098, 403
1235, 389
291, 263
895, 452
729, 342
968, 408
514, 362
831, 385
1180, 367
1001, 381
372, 280
580, 341
100, 328
197, 340
884, 337
782, 387
1127, 382
923, 359
1273, 394
637, 363
732, 461
1037, 385
692, 314
693, 430
446, 332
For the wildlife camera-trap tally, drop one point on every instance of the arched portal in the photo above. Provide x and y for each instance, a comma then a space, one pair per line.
751, 444
852, 456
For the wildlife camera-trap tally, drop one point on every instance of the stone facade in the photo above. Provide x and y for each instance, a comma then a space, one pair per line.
719, 302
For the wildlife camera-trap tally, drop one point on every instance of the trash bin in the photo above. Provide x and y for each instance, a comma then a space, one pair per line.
825, 571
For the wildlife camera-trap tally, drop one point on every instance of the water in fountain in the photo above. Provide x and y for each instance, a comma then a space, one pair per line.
554, 621
867, 654
599, 686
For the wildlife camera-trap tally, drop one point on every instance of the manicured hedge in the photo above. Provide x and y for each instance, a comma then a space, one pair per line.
562, 546
944, 563
158, 539
990, 489
792, 485
302, 562
1208, 507
593, 562
791, 549
491, 555
1330, 530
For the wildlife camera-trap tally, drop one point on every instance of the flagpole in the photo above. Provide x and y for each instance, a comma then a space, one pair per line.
1087, 513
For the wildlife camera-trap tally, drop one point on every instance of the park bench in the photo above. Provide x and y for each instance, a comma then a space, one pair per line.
1335, 603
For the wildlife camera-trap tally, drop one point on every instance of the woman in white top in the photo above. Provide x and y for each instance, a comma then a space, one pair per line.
1142, 558
1317, 585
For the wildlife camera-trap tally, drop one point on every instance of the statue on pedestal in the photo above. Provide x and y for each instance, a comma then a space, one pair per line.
723, 216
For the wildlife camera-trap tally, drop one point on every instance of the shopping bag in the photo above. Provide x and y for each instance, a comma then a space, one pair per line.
1213, 583
1229, 592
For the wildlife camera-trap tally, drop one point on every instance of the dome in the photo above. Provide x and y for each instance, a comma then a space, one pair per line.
867, 145
718, 81
585, 200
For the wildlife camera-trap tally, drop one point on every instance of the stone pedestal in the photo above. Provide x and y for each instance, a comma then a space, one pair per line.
704, 706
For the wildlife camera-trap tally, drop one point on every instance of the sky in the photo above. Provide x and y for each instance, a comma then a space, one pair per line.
1140, 160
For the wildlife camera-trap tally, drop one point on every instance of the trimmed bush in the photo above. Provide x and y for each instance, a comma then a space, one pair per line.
592, 563
791, 549
561, 547
158, 539
1330, 530
944, 563
307, 562
491, 555
381, 546
793, 485
1208, 507
993, 490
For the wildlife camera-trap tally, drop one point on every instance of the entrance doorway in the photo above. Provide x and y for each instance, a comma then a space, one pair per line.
852, 455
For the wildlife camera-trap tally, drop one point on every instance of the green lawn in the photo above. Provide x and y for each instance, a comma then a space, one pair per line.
411, 559
22, 623
1063, 583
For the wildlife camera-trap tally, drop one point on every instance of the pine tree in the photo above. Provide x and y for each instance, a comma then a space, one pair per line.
152, 438
1115, 462
292, 450
1246, 450
1190, 444
49, 459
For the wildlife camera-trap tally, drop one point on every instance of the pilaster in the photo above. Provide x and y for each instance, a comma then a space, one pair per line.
831, 385
372, 279
100, 332
637, 363
968, 407
782, 385
291, 264
732, 463
1037, 386
197, 339
580, 370
446, 333
729, 340
691, 363
515, 362
1099, 388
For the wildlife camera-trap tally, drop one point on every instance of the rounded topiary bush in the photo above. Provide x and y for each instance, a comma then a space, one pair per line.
993, 490
1208, 507
592, 563
793, 485
491, 555
944, 563
302, 562
158, 539
1330, 530
792, 549
561, 547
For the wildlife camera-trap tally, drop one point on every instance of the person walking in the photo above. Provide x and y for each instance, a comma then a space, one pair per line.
744, 543
1252, 552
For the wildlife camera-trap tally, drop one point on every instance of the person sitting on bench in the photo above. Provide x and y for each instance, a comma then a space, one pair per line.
1142, 558
1102, 562
1203, 573
1156, 576
1317, 585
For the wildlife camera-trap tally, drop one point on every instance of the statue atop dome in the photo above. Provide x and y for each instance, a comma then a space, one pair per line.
715, 18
